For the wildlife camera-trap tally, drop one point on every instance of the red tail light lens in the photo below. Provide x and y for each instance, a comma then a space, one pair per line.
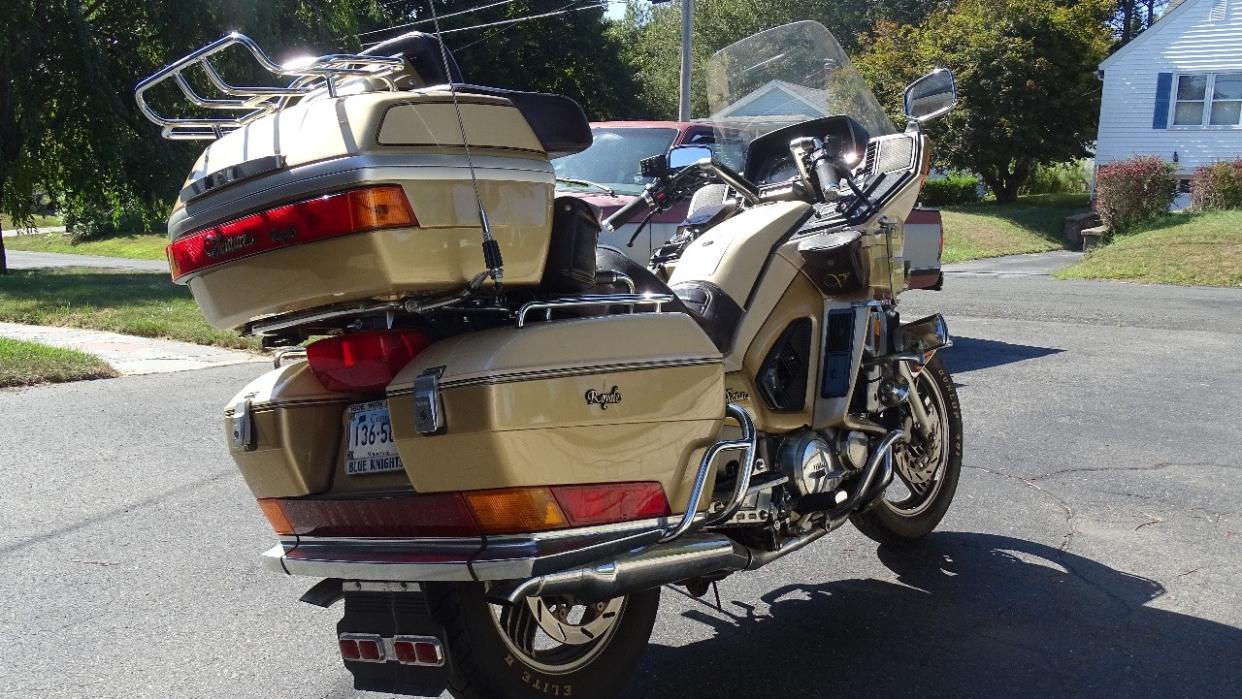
323, 217
436, 514
365, 361
606, 503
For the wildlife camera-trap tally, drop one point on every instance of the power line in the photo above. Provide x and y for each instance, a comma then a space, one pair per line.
451, 14
509, 24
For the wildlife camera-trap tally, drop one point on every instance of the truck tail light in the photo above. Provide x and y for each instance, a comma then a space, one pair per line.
327, 216
365, 361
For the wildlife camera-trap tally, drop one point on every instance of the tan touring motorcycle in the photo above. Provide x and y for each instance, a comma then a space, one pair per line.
502, 441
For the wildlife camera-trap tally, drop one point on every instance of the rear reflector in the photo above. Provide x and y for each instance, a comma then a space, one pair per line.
586, 505
320, 218
365, 361
362, 647
506, 511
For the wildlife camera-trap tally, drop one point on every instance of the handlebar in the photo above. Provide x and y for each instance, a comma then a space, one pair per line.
623, 215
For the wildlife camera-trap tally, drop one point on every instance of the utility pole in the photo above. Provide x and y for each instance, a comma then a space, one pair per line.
687, 25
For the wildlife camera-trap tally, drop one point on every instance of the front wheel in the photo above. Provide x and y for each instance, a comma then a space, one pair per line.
543, 647
926, 470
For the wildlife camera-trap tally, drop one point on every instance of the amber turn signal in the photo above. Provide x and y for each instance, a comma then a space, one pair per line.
276, 516
516, 510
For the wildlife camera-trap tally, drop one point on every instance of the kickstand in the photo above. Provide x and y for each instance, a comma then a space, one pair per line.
716, 589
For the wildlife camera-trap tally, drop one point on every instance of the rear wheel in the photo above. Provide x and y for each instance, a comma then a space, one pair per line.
543, 647
926, 469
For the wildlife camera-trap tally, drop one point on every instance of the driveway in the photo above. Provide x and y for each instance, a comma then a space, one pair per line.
19, 259
1093, 549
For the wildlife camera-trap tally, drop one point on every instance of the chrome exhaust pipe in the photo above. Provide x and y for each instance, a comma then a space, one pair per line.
690, 556
693, 555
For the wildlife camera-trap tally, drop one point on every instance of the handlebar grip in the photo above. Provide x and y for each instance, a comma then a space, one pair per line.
623, 215
826, 174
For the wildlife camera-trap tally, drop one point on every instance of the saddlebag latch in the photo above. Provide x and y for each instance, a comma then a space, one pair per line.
428, 408
241, 426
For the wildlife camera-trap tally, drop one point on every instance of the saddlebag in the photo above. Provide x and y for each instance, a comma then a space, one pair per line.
629, 397
285, 432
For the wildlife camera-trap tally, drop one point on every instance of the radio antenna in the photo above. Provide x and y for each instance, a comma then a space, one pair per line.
491, 249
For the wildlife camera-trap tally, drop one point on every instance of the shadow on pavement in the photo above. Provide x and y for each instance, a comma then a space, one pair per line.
971, 354
976, 615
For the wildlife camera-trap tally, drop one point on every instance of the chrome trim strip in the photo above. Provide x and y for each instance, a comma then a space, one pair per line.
518, 377
646, 299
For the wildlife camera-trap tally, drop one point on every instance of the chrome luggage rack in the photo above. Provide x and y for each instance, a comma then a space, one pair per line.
310, 75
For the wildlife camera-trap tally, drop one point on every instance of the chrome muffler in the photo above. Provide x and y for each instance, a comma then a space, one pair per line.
695, 555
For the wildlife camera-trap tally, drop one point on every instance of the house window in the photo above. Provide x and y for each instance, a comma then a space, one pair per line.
1208, 99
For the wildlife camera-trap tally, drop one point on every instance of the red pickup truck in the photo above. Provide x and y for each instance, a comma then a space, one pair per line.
607, 176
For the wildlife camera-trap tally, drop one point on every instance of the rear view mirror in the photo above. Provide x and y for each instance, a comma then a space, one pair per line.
931, 96
681, 157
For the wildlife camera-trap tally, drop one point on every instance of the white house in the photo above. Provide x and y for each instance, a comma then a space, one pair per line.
1175, 91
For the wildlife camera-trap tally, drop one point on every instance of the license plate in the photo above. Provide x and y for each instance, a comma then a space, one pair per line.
371, 447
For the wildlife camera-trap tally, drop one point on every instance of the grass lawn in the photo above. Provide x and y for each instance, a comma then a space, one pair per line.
27, 363
148, 305
39, 221
1031, 224
1199, 249
139, 247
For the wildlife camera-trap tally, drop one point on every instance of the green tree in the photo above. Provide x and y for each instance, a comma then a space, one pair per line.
1026, 81
69, 127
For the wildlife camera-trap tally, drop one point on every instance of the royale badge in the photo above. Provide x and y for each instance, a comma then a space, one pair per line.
603, 398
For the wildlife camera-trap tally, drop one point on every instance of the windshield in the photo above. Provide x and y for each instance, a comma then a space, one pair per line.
785, 76
612, 160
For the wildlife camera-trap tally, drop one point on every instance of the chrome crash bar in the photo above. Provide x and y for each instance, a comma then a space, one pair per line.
310, 74
748, 443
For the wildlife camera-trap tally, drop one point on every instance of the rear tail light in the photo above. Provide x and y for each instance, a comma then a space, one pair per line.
418, 650
328, 216
362, 647
506, 511
437, 514
586, 505
365, 361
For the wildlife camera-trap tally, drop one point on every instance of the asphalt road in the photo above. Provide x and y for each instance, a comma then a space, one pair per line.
20, 259
1094, 549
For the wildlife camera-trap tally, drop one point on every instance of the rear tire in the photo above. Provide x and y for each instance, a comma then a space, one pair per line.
903, 522
485, 664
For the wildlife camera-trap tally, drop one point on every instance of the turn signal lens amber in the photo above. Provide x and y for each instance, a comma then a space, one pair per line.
380, 207
276, 516
515, 510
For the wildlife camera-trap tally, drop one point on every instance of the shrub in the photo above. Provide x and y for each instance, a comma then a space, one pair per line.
1131, 192
1217, 186
1060, 178
954, 189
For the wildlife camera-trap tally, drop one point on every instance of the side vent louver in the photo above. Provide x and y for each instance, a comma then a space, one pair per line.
783, 377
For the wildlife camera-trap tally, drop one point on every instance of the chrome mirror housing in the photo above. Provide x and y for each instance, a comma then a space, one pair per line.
680, 157
931, 96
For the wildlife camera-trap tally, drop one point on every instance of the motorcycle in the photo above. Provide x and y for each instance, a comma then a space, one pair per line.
495, 442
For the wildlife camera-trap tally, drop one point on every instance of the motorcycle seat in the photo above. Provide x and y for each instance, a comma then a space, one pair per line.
714, 311
558, 122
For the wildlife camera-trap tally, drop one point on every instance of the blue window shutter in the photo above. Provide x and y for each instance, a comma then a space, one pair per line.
1164, 89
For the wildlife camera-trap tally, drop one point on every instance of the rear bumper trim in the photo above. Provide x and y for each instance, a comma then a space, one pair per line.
464, 559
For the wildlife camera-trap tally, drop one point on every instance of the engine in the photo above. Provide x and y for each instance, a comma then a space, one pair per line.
811, 464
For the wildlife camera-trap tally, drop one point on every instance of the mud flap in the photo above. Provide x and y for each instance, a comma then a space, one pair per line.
390, 615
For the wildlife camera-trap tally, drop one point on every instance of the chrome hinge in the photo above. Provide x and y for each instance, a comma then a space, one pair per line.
428, 409
241, 426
